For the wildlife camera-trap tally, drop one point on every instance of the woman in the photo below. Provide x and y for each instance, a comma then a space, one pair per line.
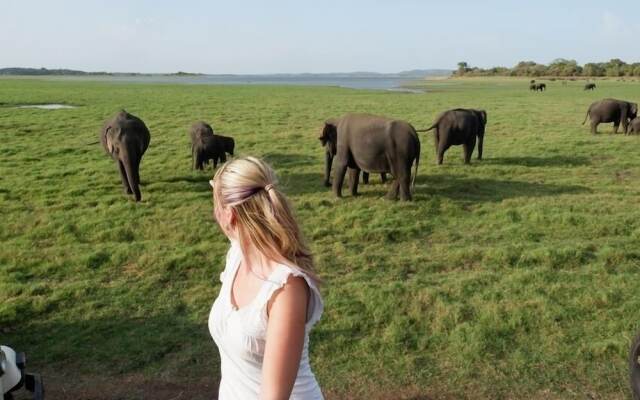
269, 299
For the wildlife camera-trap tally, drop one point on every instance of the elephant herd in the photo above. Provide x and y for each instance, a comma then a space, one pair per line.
125, 138
353, 143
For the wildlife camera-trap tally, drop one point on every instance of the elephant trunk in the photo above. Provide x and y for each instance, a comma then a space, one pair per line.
131, 165
327, 170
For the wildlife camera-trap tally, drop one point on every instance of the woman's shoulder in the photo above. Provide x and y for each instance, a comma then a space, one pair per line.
298, 280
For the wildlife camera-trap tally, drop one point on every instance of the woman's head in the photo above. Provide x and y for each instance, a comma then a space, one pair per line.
250, 208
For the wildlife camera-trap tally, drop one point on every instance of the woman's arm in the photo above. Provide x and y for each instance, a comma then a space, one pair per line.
287, 311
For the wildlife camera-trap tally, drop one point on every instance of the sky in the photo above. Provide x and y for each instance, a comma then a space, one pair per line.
288, 36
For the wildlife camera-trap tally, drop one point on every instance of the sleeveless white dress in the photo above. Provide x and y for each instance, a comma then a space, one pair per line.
240, 334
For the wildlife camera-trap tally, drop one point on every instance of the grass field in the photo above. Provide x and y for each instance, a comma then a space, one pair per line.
514, 277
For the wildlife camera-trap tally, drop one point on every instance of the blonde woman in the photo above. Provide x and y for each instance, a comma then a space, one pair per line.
269, 299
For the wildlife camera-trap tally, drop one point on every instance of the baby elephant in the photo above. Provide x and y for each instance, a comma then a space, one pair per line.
205, 146
590, 86
634, 126
125, 138
459, 127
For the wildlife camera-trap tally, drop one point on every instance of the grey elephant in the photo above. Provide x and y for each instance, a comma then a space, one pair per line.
634, 367
125, 138
374, 144
634, 126
330, 152
533, 86
541, 87
611, 110
459, 127
205, 146
589, 86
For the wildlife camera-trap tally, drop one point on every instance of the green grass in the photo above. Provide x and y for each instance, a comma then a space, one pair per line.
514, 277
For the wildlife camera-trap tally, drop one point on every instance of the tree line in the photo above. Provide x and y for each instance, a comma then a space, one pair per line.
559, 67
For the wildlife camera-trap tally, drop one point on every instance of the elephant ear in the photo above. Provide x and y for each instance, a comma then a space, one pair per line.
483, 113
329, 132
111, 138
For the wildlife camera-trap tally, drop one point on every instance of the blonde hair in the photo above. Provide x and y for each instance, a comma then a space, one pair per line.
263, 213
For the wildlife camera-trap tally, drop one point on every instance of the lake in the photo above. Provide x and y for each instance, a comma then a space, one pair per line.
373, 83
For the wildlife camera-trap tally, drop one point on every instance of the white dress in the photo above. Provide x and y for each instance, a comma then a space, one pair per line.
241, 334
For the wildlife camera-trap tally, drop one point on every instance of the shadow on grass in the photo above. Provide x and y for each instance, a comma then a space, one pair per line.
553, 161
195, 183
489, 190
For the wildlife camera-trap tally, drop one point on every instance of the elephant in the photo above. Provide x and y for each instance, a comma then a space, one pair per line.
541, 87
589, 86
125, 138
365, 142
533, 86
634, 367
611, 110
532, 81
634, 125
330, 152
459, 127
205, 145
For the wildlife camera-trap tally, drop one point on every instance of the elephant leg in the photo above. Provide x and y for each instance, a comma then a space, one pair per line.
625, 126
383, 177
338, 179
404, 183
123, 176
354, 177
468, 149
365, 177
392, 194
440, 153
480, 142
327, 169
594, 127
615, 128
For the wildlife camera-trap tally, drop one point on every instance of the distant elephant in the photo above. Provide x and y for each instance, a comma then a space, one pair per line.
459, 127
634, 367
590, 86
126, 138
205, 145
541, 87
373, 144
532, 81
611, 110
533, 86
634, 125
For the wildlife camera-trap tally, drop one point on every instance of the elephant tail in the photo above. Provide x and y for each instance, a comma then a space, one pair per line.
428, 129
587, 116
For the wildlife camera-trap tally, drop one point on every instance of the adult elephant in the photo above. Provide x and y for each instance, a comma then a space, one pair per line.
374, 144
590, 86
634, 367
330, 152
198, 131
611, 110
125, 138
459, 126
541, 87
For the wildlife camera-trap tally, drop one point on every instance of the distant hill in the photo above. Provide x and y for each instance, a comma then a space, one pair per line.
412, 74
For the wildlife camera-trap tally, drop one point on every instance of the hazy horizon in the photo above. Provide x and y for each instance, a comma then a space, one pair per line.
287, 37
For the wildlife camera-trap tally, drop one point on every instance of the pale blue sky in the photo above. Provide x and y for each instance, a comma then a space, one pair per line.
270, 36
